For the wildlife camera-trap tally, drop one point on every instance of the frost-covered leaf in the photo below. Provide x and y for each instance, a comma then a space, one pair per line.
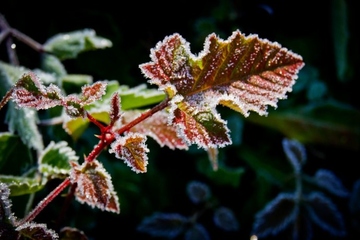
54, 160
22, 185
10, 74
198, 192
74, 104
36, 231
156, 127
324, 213
29, 92
295, 153
94, 186
276, 216
70, 45
69, 233
24, 123
115, 109
225, 219
93, 92
242, 73
329, 181
132, 149
168, 225
196, 231
202, 128
136, 97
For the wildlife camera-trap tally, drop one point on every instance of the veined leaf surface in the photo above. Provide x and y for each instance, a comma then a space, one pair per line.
242, 73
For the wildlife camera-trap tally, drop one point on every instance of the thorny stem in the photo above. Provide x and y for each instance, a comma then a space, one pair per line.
41, 205
144, 116
108, 136
66, 205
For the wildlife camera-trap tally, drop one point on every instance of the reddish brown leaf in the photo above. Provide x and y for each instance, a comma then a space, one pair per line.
93, 92
115, 112
242, 73
94, 186
156, 127
132, 149
30, 92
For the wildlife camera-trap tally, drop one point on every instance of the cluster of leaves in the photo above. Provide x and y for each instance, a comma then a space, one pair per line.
173, 225
242, 73
300, 209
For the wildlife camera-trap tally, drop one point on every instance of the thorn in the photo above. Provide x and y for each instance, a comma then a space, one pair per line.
98, 136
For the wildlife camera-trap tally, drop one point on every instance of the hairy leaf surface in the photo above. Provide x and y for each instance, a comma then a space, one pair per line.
70, 45
133, 150
242, 73
94, 186
31, 230
22, 185
54, 161
157, 128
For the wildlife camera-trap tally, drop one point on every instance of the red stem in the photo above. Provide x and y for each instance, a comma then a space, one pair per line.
107, 136
41, 205
144, 115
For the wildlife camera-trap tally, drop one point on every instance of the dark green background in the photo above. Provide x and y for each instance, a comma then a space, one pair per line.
135, 27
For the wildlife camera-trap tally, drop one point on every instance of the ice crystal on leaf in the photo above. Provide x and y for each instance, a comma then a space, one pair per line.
242, 73
30, 92
132, 149
157, 128
37, 231
94, 186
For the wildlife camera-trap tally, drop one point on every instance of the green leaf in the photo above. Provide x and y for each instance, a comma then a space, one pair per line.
329, 123
139, 96
223, 175
52, 64
54, 161
12, 149
70, 45
23, 121
135, 97
21, 185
